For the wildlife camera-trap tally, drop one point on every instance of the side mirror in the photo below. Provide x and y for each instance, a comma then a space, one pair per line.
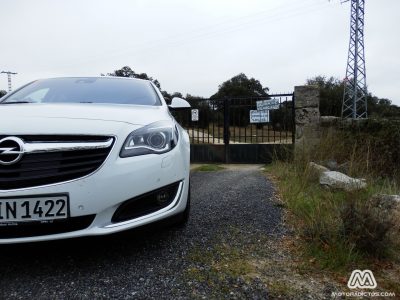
179, 103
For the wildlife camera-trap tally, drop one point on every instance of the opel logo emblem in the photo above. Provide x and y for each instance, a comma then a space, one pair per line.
11, 150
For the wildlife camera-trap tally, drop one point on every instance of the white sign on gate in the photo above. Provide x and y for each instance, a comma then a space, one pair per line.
259, 116
195, 115
268, 104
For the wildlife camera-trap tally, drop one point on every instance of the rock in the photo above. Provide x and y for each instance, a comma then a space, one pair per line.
316, 168
386, 202
332, 164
388, 207
329, 121
307, 96
337, 180
344, 167
306, 116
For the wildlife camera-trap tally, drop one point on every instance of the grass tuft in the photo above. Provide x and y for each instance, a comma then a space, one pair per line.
209, 168
338, 229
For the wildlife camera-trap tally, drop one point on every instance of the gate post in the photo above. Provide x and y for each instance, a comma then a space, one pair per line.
226, 128
307, 116
294, 118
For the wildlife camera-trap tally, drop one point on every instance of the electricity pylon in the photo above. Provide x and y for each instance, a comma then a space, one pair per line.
355, 86
9, 78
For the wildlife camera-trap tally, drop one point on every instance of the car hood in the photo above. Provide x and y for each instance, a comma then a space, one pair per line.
76, 118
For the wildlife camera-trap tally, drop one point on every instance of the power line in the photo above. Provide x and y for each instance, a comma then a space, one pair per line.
213, 30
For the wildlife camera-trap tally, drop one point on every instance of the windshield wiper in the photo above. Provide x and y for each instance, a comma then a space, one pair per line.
17, 102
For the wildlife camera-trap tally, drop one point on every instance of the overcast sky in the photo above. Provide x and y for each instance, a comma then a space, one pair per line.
193, 46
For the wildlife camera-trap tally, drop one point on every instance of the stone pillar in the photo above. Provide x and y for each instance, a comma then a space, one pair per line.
307, 116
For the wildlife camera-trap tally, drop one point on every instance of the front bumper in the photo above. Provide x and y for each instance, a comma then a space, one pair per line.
118, 180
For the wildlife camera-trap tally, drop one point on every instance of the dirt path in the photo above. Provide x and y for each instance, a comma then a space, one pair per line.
232, 248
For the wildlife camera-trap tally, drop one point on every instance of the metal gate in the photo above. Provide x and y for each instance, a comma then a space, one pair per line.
220, 130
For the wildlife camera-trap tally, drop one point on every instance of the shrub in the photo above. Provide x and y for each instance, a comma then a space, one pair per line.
338, 228
365, 228
368, 148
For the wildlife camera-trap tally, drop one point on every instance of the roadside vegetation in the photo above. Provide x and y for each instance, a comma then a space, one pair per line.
209, 168
331, 97
243, 265
340, 231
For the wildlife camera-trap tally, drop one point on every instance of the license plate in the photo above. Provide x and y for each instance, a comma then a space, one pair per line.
43, 209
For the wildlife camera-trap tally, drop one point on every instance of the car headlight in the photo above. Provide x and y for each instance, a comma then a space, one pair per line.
156, 138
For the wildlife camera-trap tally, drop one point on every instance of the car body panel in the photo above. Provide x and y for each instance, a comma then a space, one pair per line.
132, 114
118, 179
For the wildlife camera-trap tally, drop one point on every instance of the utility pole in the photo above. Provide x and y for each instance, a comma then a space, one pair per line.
355, 86
9, 78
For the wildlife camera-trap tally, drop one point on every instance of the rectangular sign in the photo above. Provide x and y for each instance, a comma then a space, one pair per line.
33, 209
268, 104
259, 116
195, 115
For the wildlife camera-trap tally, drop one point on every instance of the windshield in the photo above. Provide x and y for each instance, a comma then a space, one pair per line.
86, 90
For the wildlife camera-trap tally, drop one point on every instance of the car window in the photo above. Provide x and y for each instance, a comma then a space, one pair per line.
36, 96
88, 90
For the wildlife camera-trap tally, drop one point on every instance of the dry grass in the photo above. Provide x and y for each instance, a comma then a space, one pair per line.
339, 231
209, 168
336, 231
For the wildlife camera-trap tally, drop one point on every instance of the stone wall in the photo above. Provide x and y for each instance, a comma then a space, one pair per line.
307, 116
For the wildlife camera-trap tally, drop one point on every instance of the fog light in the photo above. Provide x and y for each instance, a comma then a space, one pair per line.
146, 203
162, 197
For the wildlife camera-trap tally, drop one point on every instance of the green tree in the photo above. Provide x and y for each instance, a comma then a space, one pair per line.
124, 72
200, 103
331, 95
240, 86
177, 94
331, 98
192, 99
167, 96
128, 72
237, 87
381, 107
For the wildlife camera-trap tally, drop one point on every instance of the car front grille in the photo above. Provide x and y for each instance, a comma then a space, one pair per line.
36, 169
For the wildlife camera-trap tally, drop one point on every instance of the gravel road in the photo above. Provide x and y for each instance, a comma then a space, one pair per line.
231, 210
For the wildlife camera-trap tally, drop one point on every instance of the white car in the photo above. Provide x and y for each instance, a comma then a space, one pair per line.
89, 156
